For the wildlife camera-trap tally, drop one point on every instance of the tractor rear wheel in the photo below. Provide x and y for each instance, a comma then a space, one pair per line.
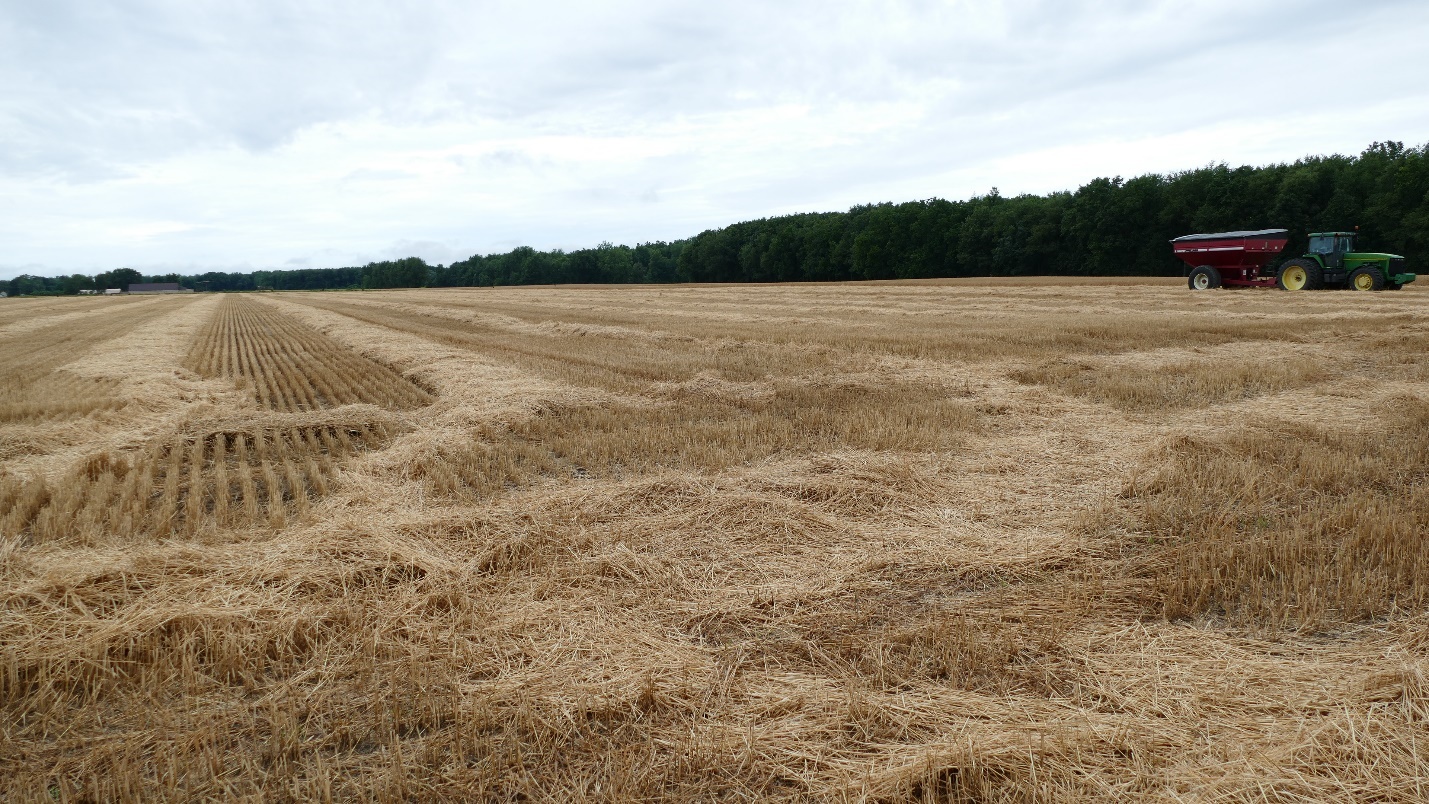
1300, 274
1204, 277
1365, 279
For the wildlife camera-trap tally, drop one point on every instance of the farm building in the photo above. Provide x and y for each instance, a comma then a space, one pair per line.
158, 287
112, 291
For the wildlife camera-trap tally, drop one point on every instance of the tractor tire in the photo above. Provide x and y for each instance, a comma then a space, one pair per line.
1365, 279
1300, 274
1204, 277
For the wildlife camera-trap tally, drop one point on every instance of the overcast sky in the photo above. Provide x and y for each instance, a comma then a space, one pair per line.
192, 135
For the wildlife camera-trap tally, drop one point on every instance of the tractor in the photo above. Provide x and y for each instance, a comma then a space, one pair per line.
1334, 263
1242, 260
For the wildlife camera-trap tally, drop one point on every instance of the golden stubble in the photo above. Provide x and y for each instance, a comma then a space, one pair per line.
956, 541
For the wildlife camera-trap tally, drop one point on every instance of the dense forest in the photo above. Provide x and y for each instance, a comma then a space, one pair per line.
1109, 226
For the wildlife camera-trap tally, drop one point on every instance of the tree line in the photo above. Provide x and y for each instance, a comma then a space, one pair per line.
1107, 227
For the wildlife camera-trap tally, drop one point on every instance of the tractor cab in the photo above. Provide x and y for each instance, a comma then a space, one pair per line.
1332, 247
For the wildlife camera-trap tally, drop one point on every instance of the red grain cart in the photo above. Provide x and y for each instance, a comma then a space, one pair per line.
1231, 259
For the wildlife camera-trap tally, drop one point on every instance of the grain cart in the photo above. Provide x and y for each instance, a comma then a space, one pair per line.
1242, 259
1231, 259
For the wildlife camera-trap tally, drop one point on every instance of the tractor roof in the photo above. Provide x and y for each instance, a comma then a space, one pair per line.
1333, 234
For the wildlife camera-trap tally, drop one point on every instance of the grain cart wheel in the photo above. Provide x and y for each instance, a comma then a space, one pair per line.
1365, 279
1300, 274
1205, 277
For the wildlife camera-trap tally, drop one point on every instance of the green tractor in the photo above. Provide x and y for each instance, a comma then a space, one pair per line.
1334, 263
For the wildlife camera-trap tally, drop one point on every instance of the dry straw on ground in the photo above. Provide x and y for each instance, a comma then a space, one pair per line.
1011, 541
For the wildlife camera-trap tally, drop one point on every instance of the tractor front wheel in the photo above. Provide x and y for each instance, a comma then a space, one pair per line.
1300, 274
1365, 279
1204, 277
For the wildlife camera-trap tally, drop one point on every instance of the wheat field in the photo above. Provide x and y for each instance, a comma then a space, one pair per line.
952, 541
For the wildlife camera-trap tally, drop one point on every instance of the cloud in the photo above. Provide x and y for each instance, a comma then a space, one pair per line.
370, 175
260, 133
430, 250
122, 81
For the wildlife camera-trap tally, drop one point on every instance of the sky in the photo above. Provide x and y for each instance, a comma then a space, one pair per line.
190, 135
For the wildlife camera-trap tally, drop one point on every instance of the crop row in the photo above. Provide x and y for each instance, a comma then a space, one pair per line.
292, 367
180, 485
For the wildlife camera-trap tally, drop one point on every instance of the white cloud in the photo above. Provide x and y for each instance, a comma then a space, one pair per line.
195, 134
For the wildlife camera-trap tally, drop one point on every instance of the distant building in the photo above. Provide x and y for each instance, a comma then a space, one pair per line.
158, 287
112, 291
87, 292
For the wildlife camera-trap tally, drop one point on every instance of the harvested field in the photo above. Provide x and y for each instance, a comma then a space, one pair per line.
290, 367
932, 541
37, 348
238, 474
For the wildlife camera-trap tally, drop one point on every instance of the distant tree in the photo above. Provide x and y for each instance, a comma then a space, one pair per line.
120, 278
30, 285
74, 283
410, 272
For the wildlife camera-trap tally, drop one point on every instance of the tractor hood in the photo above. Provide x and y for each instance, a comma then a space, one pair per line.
1372, 255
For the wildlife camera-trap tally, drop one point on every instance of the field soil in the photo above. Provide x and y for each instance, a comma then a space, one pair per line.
986, 540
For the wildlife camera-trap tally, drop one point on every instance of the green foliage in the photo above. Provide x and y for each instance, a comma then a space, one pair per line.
74, 283
1109, 226
410, 272
605, 264
29, 285
120, 278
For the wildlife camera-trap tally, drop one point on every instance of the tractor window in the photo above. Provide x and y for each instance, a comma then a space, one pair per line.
1322, 245
1344, 244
